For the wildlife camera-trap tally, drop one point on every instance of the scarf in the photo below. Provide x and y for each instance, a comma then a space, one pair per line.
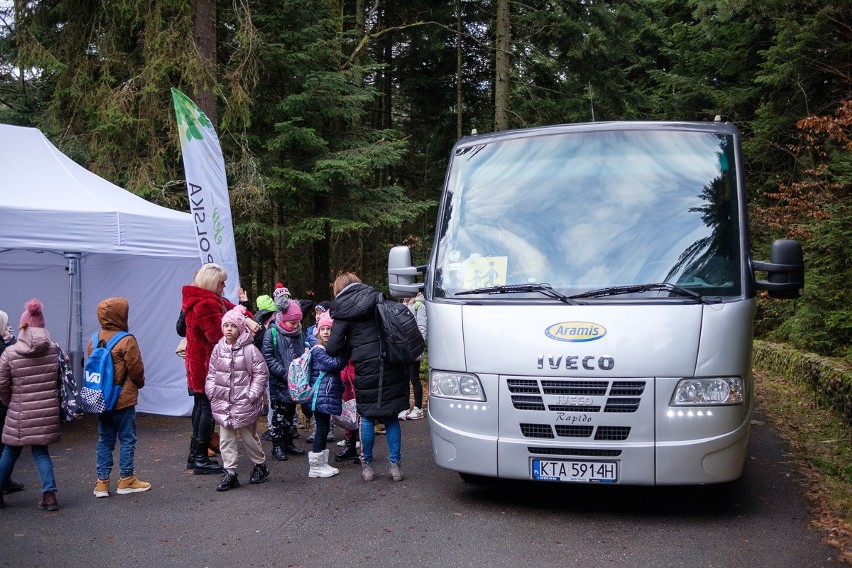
280, 322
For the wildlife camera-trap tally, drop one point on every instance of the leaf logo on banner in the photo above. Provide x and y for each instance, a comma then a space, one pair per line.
189, 117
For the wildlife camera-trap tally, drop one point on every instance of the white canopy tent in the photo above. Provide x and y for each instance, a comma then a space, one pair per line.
71, 239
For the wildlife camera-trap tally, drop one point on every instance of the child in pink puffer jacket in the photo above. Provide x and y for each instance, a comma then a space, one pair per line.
236, 383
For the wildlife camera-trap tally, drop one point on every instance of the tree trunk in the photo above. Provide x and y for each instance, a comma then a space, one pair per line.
204, 27
19, 36
501, 66
387, 95
322, 255
278, 213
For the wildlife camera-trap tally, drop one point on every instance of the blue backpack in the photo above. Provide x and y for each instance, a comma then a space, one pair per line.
99, 392
299, 379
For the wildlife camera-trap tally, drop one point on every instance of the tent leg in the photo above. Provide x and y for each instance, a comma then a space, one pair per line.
75, 298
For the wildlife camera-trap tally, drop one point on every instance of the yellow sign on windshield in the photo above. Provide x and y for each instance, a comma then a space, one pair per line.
485, 271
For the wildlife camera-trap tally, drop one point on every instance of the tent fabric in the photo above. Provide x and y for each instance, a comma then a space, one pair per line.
44, 190
49, 206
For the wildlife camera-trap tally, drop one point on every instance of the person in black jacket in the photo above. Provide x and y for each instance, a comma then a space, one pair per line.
381, 389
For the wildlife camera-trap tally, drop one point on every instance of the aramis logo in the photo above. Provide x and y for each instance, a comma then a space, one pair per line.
575, 331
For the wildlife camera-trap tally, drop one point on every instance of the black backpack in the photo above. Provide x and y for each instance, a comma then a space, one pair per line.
399, 335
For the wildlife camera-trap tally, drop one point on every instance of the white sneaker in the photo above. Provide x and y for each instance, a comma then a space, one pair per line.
403, 415
342, 443
415, 414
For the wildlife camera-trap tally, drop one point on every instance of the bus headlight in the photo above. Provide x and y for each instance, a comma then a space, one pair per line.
455, 385
708, 391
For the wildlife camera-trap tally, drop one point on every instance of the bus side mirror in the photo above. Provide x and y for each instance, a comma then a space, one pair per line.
402, 275
786, 268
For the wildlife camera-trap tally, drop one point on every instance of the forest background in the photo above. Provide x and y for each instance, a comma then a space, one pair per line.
337, 117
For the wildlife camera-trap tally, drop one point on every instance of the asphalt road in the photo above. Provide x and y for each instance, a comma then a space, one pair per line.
431, 518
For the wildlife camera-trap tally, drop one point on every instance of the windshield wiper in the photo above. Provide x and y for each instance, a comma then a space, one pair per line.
636, 288
543, 288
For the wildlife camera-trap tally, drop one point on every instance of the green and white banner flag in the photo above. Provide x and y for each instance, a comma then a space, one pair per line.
207, 186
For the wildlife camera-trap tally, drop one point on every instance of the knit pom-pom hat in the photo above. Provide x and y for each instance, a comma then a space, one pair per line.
292, 313
281, 296
33, 315
236, 316
324, 320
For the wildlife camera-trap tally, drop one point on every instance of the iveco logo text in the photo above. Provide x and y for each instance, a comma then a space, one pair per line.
575, 331
576, 362
573, 400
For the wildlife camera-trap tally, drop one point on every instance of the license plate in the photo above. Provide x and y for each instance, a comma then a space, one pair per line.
576, 471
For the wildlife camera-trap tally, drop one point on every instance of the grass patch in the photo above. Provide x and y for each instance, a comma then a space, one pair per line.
820, 443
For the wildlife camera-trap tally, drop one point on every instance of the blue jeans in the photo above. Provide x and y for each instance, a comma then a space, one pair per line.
120, 424
42, 460
392, 432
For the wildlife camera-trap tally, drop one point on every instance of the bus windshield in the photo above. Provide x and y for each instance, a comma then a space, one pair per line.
585, 211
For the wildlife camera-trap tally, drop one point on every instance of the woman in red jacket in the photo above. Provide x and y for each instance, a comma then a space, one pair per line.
203, 306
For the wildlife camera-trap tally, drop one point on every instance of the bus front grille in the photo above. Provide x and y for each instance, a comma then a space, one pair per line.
584, 452
537, 431
621, 396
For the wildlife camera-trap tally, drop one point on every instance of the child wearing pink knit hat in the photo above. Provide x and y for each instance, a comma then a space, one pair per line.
283, 342
28, 371
325, 376
235, 385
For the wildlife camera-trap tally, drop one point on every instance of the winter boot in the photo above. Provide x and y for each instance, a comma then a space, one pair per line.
278, 452
102, 488
48, 501
229, 481
203, 464
319, 465
259, 473
130, 484
190, 459
330, 436
287, 442
349, 451
325, 457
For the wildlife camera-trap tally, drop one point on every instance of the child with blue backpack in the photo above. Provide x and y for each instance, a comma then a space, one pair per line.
328, 397
119, 422
283, 342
